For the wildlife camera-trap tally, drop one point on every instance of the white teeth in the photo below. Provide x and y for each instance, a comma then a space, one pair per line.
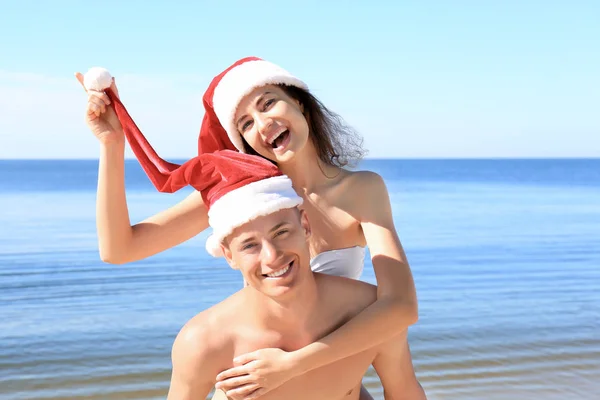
270, 141
278, 273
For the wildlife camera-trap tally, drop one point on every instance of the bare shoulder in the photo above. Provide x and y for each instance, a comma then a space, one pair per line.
365, 192
200, 338
207, 340
198, 355
362, 181
211, 324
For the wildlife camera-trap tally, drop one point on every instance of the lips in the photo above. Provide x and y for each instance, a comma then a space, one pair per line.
280, 272
272, 138
281, 141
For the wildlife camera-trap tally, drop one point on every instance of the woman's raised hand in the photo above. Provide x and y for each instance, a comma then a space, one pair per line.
100, 115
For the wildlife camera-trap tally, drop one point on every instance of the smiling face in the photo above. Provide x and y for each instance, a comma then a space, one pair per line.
272, 123
271, 251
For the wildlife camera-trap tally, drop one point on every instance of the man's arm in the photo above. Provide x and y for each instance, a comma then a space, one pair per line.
194, 358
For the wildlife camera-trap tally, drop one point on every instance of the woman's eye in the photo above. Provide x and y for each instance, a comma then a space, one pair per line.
268, 103
246, 125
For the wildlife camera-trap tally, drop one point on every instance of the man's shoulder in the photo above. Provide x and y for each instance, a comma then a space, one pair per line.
208, 334
202, 349
201, 331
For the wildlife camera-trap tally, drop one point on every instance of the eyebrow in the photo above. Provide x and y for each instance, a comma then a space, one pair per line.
251, 238
260, 98
248, 239
279, 225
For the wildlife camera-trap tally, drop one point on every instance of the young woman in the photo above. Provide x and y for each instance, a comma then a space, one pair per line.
257, 107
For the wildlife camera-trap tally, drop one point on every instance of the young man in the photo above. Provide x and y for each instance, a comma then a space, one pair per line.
259, 229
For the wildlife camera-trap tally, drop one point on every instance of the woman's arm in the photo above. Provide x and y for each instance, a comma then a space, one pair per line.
393, 312
396, 306
118, 241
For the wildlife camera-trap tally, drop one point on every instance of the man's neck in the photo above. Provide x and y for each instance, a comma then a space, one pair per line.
289, 312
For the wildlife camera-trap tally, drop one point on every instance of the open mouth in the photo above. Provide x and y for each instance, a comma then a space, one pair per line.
281, 140
282, 272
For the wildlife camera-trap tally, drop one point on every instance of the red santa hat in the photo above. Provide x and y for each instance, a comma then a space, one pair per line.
248, 189
221, 99
236, 188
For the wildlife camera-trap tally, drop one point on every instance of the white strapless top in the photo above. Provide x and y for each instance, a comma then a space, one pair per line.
348, 262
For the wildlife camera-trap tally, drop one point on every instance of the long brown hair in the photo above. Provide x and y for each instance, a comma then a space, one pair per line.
336, 143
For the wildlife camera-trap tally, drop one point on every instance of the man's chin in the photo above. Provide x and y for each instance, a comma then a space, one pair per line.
282, 286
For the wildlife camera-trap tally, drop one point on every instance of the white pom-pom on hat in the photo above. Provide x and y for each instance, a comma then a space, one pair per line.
97, 78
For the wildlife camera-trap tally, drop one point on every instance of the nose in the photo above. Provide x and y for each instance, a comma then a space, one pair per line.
263, 123
270, 253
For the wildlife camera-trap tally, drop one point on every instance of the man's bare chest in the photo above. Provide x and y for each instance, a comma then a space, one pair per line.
248, 340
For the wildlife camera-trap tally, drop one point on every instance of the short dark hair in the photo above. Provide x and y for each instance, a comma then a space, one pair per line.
336, 143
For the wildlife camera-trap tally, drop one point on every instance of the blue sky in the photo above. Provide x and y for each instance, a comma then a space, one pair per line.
417, 79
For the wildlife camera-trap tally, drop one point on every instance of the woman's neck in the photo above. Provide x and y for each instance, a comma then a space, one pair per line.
307, 171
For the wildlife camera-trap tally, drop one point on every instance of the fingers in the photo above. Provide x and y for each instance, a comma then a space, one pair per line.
97, 102
96, 105
231, 383
242, 392
93, 110
79, 77
233, 372
244, 359
101, 96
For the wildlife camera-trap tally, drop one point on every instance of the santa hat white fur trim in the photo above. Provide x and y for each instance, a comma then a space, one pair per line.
246, 203
240, 81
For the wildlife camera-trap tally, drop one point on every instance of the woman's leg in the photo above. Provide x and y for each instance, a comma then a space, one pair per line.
395, 369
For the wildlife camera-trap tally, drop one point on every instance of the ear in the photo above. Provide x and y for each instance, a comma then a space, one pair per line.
228, 255
305, 224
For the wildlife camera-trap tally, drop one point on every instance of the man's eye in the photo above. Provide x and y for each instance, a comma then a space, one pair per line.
281, 232
248, 246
